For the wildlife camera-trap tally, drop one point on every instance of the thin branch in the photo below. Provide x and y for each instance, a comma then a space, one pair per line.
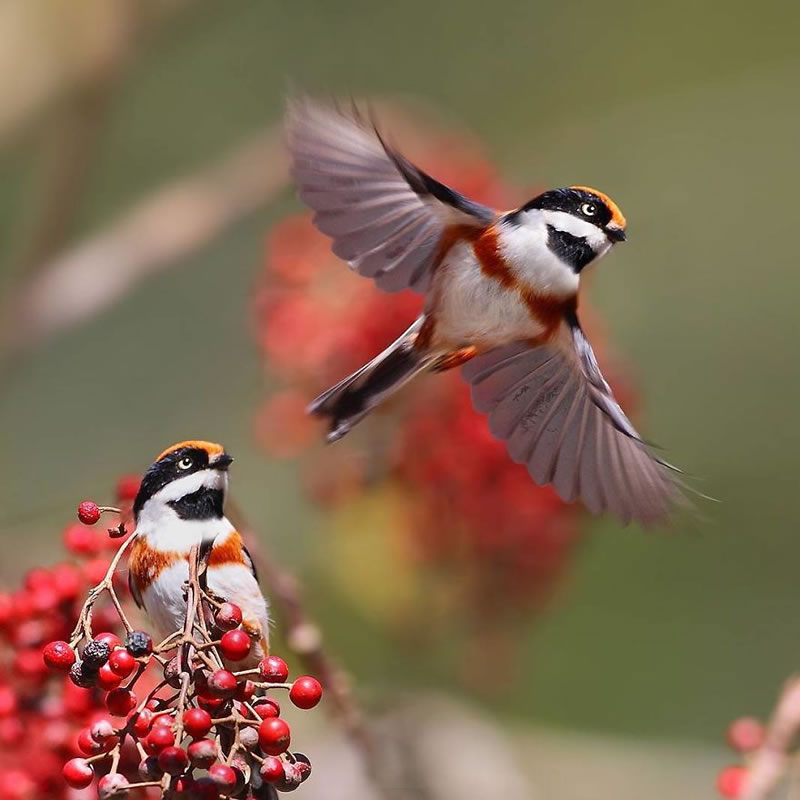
165, 227
771, 760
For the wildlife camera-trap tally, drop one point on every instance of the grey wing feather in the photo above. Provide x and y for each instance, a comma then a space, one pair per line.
558, 416
386, 216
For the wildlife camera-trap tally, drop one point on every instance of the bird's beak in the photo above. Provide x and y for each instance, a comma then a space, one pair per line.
222, 462
615, 233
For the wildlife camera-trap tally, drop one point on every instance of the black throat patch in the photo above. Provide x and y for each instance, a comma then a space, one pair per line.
572, 250
202, 504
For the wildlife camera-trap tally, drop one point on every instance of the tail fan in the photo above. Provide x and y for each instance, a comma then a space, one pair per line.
350, 400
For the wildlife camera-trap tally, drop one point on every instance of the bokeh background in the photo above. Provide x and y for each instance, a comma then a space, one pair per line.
686, 113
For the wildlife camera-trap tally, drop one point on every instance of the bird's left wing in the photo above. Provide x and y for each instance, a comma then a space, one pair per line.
388, 219
558, 416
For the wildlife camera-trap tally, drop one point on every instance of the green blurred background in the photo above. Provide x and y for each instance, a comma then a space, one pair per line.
688, 114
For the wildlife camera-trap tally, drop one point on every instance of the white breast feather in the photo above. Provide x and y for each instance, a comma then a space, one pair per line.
475, 309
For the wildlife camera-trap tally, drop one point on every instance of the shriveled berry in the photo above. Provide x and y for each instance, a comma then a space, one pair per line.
121, 663
196, 722
746, 734
267, 707
306, 692
730, 781
95, 654
203, 753
120, 701
77, 773
271, 769
82, 676
222, 683
173, 760
303, 766
58, 656
112, 786
235, 645
107, 679
172, 673
273, 669
228, 617
139, 643
224, 776
274, 736
160, 736
88, 512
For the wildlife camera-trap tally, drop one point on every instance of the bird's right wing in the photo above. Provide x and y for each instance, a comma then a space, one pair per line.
388, 219
558, 416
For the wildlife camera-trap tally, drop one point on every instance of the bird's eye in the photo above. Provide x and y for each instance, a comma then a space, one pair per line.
185, 463
588, 209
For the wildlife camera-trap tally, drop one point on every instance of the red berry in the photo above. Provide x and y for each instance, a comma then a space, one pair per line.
128, 487
271, 769
184, 788
746, 734
120, 701
292, 778
29, 664
224, 776
235, 645
58, 656
730, 781
228, 617
113, 785
77, 773
81, 540
196, 722
205, 789
160, 736
245, 691
222, 683
107, 679
173, 760
88, 512
142, 722
111, 639
306, 692
273, 669
7, 609
67, 581
274, 736
267, 707
12, 731
149, 770
203, 753
88, 745
121, 663
211, 704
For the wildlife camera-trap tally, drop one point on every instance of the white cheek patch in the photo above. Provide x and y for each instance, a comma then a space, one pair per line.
202, 479
562, 221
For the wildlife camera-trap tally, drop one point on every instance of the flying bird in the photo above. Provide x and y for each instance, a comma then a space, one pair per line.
501, 302
179, 506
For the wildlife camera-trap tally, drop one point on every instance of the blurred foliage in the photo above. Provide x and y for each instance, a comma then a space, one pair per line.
686, 113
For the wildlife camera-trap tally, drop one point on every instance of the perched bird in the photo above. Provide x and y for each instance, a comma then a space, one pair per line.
501, 299
180, 505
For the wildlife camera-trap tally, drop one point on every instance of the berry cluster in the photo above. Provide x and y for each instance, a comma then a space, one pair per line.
745, 736
472, 512
135, 717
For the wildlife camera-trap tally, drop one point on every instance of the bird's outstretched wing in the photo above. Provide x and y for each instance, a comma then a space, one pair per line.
387, 217
558, 416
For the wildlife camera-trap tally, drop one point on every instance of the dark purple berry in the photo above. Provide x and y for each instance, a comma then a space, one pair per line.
139, 643
95, 654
